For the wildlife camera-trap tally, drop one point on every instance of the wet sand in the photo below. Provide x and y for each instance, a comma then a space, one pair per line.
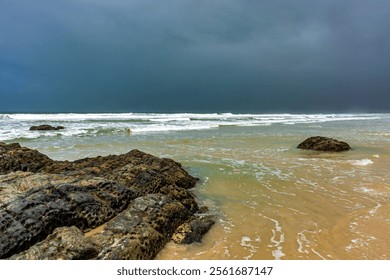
301, 205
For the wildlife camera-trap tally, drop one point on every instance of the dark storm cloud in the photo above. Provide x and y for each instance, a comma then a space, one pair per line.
118, 55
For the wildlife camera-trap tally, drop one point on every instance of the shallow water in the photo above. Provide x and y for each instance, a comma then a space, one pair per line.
271, 200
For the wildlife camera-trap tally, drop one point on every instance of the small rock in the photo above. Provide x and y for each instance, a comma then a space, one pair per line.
320, 143
46, 127
193, 230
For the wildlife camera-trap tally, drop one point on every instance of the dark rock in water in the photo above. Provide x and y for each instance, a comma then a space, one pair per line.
319, 143
46, 127
137, 200
193, 230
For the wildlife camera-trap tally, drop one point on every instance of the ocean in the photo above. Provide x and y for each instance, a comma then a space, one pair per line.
270, 199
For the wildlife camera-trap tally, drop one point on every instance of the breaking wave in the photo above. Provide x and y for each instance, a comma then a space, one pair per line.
16, 125
4, 117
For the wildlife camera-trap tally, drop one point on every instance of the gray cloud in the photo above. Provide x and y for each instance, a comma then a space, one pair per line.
211, 55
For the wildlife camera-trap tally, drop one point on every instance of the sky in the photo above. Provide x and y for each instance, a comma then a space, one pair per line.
194, 56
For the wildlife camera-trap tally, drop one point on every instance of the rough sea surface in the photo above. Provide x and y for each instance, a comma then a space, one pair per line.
271, 200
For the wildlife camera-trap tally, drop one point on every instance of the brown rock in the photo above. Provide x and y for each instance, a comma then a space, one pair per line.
136, 200
193, 230
319, 143
142, 230
65, 243
16, 158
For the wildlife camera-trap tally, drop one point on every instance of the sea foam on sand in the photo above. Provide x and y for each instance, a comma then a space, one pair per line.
362, 162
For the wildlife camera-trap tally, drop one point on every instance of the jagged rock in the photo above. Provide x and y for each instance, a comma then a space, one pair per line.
143, 197
193, 230
46, 127
143, 172
143, 229
16, 158
31, 218
320, 143
65, 243
139, 232
16, 184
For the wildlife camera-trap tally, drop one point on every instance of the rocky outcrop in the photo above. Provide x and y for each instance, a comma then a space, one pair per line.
152, 219
15, 158
128, 206
320, 143
32, 217
46, 127
139, 232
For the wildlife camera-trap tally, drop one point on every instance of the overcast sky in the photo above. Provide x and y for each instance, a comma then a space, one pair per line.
194, 56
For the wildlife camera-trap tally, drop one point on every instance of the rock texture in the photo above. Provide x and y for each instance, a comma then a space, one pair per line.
46, 127
32, 217
65, 243
193, 230
128, 206
152, 219
320, 143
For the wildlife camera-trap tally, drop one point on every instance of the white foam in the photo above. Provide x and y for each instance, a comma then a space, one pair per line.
151, 122
4, 117
362, 162
365, 190
167, 128
245, 240
374, 210
359, 242
168, 119
318, 254
277, 254
300, 240
234, 162
277, 239
251, 118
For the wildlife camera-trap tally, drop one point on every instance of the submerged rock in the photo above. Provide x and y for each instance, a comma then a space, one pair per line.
46, 127
136, 200
320, 143
193, 229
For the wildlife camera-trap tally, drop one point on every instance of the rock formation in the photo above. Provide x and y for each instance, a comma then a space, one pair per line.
46, 127
113, 207
319, 143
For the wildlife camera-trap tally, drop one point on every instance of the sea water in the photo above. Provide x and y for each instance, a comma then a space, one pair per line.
270, 199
